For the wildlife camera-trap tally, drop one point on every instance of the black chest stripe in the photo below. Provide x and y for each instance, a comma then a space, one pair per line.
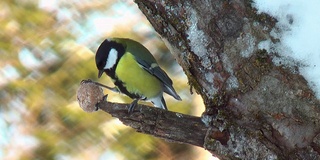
112, 72
124, 90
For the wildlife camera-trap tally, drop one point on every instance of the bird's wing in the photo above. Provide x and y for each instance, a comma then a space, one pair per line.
155, 70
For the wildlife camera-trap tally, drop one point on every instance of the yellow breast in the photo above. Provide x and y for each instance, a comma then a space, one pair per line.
136, 79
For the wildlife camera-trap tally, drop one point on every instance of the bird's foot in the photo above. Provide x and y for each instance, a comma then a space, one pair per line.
104, 98
133, 105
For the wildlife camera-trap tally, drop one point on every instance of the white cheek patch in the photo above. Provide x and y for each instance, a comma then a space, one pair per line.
112, 59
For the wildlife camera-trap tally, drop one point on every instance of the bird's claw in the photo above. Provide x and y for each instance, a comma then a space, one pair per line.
104, 98
132, 106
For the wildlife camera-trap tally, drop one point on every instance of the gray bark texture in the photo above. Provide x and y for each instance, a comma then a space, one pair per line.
254, 109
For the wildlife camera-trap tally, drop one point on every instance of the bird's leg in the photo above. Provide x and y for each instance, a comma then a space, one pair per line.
104, 98
133, 105
114, 89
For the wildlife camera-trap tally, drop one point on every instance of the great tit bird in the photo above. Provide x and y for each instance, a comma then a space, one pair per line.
134, 71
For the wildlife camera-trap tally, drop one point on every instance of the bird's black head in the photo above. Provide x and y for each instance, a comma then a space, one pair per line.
108, 55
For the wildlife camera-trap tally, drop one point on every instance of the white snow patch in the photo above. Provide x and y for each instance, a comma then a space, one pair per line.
265, 45
298, 29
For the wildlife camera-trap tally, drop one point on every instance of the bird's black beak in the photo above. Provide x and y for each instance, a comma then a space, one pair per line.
100, 73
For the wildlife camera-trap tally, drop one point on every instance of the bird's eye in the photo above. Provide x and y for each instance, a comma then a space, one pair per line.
124, 46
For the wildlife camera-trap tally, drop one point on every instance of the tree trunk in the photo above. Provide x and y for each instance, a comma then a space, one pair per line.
254, 109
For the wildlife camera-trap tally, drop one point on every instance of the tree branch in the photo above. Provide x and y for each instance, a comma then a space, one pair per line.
171, 126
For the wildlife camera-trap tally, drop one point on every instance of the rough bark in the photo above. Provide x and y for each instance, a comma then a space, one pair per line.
254, 109
168, 125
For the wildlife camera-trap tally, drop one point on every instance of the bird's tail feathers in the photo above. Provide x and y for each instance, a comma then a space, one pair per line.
159, 102
170, 90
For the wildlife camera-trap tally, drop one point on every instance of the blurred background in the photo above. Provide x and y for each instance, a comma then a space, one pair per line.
46, 49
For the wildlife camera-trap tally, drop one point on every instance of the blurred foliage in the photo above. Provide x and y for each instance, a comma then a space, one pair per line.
43, 59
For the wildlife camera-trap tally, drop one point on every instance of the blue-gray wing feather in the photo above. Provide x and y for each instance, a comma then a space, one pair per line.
161, 75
